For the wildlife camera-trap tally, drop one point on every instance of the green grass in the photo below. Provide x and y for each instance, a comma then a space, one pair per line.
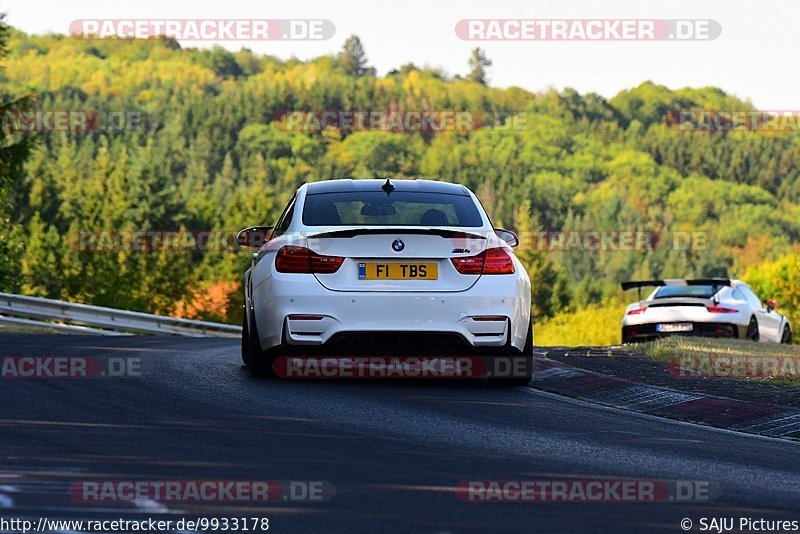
594, 325
671, 347
25, 329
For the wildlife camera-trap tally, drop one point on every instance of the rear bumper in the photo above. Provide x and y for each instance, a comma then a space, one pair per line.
407, 343
647, 331
338, 314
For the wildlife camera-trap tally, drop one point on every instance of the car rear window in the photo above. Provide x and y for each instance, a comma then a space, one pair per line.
399, 208
702, 291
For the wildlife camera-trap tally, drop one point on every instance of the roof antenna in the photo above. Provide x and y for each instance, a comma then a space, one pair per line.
388, 187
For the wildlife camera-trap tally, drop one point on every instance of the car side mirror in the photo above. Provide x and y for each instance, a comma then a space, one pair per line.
507, 236
772, 304
253, 237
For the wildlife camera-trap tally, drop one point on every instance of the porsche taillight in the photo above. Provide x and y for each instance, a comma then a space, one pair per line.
292, 259
720, 309
490, 261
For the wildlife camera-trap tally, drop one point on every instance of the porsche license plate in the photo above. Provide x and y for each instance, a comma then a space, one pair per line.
675, 327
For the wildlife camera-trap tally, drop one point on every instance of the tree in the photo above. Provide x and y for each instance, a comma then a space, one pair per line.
353, 57
548, 286
41, 261
13, 153
477, 66
224, 63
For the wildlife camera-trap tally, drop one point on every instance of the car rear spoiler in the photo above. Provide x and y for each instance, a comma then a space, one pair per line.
354, 232
677, 282
717, 282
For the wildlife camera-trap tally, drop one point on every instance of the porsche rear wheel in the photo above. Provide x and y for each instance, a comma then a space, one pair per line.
786, 338
752, 330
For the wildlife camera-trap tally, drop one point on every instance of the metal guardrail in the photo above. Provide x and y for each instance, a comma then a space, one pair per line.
70, 317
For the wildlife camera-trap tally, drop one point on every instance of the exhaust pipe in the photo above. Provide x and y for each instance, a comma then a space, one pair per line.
437, 345
341, 344
452, 345
358, 344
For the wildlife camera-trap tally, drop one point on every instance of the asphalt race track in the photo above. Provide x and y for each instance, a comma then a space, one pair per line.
393, 450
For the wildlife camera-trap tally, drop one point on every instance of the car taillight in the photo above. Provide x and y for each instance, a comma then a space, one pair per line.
291, 259
469, 265
719, 309
490, 261
636, 311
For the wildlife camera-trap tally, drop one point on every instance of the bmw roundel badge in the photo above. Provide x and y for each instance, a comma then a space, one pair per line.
398, 245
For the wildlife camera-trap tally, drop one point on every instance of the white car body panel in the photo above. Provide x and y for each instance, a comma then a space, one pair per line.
417, 247
770, 324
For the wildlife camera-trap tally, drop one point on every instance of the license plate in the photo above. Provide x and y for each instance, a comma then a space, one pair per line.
675, 327
398, 271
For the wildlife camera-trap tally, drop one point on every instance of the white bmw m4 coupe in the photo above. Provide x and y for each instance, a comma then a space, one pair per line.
711, 307
377, 267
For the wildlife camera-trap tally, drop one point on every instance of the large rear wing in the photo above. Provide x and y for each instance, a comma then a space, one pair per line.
677, 282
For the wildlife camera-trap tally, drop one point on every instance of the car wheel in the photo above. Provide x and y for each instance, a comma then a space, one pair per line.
259, 361
525, 357
786, 338
245, 339
752, 330
527, 349
625, 339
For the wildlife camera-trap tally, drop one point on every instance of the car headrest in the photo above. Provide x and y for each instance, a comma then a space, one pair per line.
324, 213
434, 218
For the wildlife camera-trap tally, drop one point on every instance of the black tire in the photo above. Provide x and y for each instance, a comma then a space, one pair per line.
625, 339
245, 339
526, 356
259, 361
752, 330
786, 338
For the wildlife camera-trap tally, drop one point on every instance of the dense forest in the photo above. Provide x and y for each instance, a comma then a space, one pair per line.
211, 153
